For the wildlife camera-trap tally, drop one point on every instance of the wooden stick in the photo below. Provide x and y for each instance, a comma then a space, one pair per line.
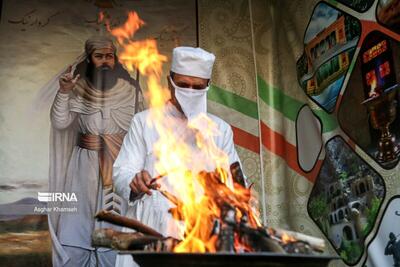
107, 237
314, 242
113, 218
158, 177
171, 198
103, 237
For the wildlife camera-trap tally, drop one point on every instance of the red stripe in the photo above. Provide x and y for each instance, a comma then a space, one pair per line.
338, 102
277, 144
369, 26
246, 140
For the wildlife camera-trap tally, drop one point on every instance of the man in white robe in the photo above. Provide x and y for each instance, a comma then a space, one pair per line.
90, 116
134, 167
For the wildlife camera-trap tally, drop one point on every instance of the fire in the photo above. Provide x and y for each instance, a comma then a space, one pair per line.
128, 30
287, 238
199, 194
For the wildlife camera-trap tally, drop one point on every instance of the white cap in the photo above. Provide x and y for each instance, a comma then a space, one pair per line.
192, 62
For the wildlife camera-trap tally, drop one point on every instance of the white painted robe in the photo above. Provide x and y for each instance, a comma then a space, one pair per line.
76, 170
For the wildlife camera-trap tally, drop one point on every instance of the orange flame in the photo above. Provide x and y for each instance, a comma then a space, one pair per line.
128, 30
200, 193
287, 238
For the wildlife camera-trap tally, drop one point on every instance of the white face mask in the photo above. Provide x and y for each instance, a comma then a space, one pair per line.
192, 101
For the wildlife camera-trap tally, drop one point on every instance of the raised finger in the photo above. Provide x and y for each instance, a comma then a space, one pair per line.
69, 69
66, 77
76, 78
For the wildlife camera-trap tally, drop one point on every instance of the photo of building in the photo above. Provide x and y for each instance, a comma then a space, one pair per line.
328, 50
346, 199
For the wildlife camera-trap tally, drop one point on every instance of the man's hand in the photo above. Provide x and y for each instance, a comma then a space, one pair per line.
141, 183
67, 80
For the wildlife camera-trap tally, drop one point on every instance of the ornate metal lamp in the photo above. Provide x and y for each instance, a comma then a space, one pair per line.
382, 109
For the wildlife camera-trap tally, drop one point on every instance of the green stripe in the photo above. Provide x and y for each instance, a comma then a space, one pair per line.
231, 100
271, 96
329, 122
289, 106
352, 65
278, 100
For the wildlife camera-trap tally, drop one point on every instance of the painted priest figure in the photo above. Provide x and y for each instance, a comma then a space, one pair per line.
90, 116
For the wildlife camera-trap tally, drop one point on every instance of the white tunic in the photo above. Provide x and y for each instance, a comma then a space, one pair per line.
136, 154
77, 171
82, 177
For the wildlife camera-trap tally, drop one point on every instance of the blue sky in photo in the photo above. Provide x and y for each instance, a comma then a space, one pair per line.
323, 16
328, 97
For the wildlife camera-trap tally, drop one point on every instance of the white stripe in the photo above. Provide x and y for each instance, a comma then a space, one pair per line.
233, 117
276, 121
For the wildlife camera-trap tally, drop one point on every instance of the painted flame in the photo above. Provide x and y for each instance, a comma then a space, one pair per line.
200, 192
373, 92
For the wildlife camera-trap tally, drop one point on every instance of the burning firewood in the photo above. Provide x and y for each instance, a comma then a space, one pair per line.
316, 244
235, 229
228, 224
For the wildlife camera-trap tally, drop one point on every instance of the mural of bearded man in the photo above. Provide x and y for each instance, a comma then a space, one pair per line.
90, 115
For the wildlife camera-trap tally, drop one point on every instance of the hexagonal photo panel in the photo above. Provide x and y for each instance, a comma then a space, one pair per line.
330, 41
370, 109
388, 14
346, 199
358, 5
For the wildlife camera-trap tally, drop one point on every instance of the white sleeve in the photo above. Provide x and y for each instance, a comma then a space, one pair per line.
229, 148
60, 115
130, 159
